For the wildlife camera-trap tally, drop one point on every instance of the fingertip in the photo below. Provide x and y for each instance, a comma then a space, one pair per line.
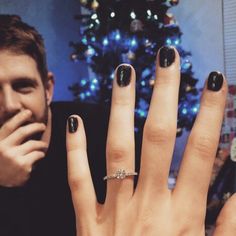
167, 56
216, 81
124, 75
75, 133
72, 123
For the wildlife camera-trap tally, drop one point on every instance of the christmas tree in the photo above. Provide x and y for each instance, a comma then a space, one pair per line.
121, 31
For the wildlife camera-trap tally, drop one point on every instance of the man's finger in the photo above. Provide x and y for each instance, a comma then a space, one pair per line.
15, 122
30, 146
24, 132
33, 157
79, 177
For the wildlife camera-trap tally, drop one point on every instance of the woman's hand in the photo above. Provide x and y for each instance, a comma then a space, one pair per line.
151, 209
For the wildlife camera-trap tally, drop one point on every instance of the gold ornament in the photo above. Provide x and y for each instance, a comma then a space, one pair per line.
152, 82
84, 2
95, 5
131, 55
188, 88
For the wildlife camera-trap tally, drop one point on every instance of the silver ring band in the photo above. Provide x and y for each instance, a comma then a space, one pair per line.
120, 174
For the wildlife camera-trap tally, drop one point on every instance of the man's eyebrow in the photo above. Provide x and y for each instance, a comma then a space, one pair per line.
26, 79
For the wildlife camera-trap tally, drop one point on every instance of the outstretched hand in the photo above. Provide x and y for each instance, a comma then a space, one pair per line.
151, 209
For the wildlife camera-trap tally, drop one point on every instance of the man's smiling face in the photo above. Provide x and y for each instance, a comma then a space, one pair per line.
21, 88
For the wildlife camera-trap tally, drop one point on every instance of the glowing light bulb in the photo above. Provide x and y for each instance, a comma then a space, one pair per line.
83, 82
94, 16
105, 42
149, 12
168, 41
117, 37
133, 15
184, 111
133, 42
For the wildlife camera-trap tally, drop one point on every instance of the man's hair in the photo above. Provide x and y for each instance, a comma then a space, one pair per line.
20, 38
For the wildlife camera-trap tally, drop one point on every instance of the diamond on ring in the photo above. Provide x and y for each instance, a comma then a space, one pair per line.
120, 174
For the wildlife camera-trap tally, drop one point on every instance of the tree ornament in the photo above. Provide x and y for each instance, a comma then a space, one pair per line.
174, 2
169, 19
83, 2
233, 150
74, 57
152, 81
171, 3
188, 88
131, 55
136, 26
95, 5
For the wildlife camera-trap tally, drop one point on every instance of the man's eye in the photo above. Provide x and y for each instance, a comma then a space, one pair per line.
23, 87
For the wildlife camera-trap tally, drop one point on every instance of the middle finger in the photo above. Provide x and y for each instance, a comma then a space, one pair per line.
160, 127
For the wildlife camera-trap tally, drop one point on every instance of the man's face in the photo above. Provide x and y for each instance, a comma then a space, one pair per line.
21, 88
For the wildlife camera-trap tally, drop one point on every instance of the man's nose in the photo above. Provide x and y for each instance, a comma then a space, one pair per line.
10, 102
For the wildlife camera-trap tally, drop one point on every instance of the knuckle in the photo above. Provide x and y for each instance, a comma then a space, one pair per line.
5, 153
23, 131
75, 182
202, 145
6, 128
74, 185
159, 133
118, 152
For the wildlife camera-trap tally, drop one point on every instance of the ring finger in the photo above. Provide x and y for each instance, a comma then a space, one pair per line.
120, 141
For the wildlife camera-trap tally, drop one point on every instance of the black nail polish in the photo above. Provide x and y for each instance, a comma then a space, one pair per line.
215, 81
166, 56
72, 124
123, 75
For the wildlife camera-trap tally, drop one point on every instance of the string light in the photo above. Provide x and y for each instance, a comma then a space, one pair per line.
133, 42
112, 14
105, 42
84, 40
117, 37
92, 87
93, 39
177, 41
143, 83
168, 41
149, 12
94, 16
184, 111
133, 15
83, 82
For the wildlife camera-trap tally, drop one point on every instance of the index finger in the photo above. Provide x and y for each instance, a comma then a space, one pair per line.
79, 177
15, 122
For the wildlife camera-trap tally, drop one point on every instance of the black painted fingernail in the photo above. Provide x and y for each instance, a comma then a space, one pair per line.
72, 124
123, 75
166, 56
215, 81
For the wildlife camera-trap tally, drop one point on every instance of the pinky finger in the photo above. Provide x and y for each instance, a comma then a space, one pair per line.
79, 177
226, 221
34, 157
